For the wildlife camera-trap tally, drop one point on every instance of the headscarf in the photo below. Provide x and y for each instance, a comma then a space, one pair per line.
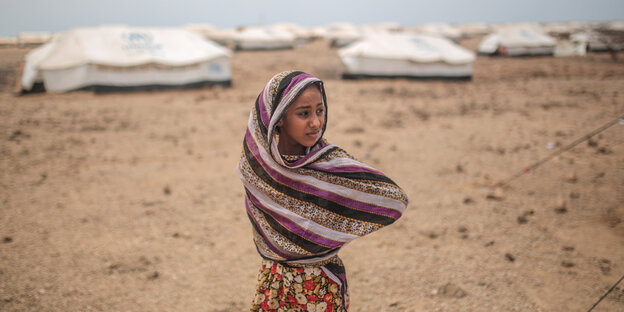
303, 211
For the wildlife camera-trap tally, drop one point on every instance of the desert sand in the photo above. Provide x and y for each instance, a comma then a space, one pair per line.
131, 202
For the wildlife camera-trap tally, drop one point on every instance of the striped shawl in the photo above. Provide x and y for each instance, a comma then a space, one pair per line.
304, 210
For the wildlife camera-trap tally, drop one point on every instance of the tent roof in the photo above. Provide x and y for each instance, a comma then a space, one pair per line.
516, 36
125, 46
263, 34
414, 47
438, 29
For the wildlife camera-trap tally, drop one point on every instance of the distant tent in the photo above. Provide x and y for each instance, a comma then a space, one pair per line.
119, 57
301, 34
386, 27
520, 40
562, 29
603, 39
8, 41
263, 38
438, 30
33, 38
341, 34
474, 29
219, 35
573, 45
404, 55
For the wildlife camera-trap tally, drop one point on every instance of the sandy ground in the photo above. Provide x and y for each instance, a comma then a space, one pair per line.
130, 201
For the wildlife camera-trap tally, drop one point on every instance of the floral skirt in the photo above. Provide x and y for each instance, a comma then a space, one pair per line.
283, 288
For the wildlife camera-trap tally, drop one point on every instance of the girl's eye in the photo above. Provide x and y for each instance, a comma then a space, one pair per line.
303, 114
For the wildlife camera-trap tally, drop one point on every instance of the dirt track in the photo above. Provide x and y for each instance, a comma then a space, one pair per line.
130, 201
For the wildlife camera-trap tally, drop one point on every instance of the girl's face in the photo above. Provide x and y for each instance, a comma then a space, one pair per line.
302, 125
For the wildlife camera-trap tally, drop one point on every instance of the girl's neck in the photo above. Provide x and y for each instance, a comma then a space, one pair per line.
288, 149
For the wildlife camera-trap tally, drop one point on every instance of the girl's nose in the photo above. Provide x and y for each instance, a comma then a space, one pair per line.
315, 122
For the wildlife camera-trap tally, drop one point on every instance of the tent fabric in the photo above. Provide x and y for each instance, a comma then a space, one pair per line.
263, 38
404, 55
518, 40
222, 36
438, 30
124, 56
341, 34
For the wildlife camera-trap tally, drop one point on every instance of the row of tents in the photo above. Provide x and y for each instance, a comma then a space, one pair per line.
342, 33
120, 57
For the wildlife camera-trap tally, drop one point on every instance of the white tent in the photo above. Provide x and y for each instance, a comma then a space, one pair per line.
405, 55
33, 38
302, 34
222, 36
563, 28
386, 27
438, 30
341, 34
601, 39
474, 29
8, 41
518, 41
263, 38
124, 57
575, 45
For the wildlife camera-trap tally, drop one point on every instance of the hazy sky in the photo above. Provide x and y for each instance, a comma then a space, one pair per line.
57, 15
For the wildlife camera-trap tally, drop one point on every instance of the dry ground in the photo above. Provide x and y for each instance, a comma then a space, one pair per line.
130, 201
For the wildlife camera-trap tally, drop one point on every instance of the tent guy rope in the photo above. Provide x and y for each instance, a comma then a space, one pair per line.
606, 294
561, 150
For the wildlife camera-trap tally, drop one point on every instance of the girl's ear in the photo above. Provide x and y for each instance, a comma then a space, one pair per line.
281, 122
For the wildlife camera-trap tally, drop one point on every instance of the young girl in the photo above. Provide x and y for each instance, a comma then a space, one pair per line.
306, 198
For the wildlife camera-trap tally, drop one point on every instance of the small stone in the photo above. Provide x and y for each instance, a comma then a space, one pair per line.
488, 244
167, 190
459, 168
468, 201
567, 264
355, 129
592, 143
522, 219
510, 257
571, 178
497, 194
605, 266
451, 290
462, 229
568, 248
7, 239
560, 207
575, 195
153, 276
604, 150
561, 210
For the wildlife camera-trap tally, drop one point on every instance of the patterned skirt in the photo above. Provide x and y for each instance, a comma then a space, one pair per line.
284, 288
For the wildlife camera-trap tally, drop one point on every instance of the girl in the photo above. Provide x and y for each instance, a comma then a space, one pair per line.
306, 198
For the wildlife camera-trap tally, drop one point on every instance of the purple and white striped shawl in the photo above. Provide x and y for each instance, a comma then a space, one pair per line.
303, 211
